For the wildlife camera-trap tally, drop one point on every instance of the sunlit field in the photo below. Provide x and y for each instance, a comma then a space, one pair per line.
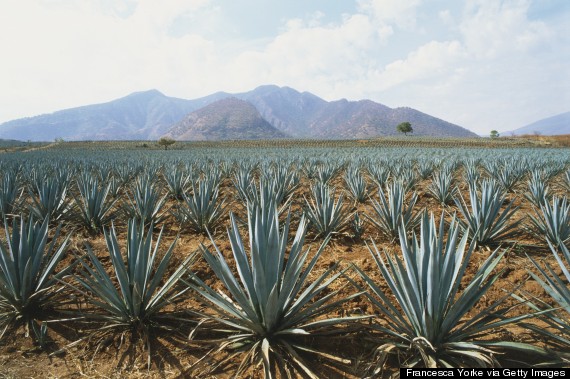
283, 258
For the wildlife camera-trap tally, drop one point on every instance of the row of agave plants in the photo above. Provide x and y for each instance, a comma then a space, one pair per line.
273, 299
268, 299
90, 196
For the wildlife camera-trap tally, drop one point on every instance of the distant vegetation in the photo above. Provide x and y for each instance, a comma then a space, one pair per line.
166, 142
405, 127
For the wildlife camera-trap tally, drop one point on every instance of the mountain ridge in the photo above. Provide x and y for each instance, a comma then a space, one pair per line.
148, 115
553, 125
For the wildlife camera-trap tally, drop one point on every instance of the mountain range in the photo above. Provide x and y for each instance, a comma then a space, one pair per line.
550, 126
266, 112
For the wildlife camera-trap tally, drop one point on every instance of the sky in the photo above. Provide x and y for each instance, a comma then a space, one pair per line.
481, 64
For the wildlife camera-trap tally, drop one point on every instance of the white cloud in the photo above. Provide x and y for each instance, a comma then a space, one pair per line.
491, 28
493, 65
433, 59
399, 12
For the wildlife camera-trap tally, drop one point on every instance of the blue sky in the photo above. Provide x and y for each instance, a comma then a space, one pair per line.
482, 64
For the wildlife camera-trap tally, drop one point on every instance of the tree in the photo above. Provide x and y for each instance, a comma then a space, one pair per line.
494, 134
166, 141
405, 127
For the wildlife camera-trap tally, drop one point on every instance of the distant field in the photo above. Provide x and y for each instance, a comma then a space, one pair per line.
411, 141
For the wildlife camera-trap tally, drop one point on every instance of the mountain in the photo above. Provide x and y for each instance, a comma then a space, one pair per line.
304, 115
288, 110
141, 115
150, 114
559, 124
226, 119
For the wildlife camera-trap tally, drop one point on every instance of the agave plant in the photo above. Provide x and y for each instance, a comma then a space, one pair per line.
285, 181
10, 192
356, 185
50, 200
28, 278
537, 190
566, 181
243, 182
276, 299
391, 211
471, 173
552, 224
266, 194
379, 173
425, 168
441, 187
126, 172
507, 172
146, 203
327, 216
93, 207
178, 182
408, 179
327, 171
486, 222
134, 298
559, 290
432, 324
358, 225
202, 210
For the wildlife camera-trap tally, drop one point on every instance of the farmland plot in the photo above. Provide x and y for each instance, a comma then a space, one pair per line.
303, 261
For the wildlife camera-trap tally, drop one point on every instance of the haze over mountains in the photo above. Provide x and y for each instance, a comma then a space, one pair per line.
265, 112
550, 126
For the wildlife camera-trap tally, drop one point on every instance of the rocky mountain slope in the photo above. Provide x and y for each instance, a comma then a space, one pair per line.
226, 119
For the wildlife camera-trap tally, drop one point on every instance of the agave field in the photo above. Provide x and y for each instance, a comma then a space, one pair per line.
294, 260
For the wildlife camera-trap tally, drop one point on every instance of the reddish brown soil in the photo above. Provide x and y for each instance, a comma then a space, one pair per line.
175, 357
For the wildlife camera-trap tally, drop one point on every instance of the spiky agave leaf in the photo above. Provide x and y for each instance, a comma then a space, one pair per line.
271, 301
28, 277
430, 327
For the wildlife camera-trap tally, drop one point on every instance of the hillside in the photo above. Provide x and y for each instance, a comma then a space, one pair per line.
550, 126
226, 119
141, 115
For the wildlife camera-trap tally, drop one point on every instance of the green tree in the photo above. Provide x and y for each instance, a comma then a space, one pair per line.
494, 134
166, 141
405, 127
